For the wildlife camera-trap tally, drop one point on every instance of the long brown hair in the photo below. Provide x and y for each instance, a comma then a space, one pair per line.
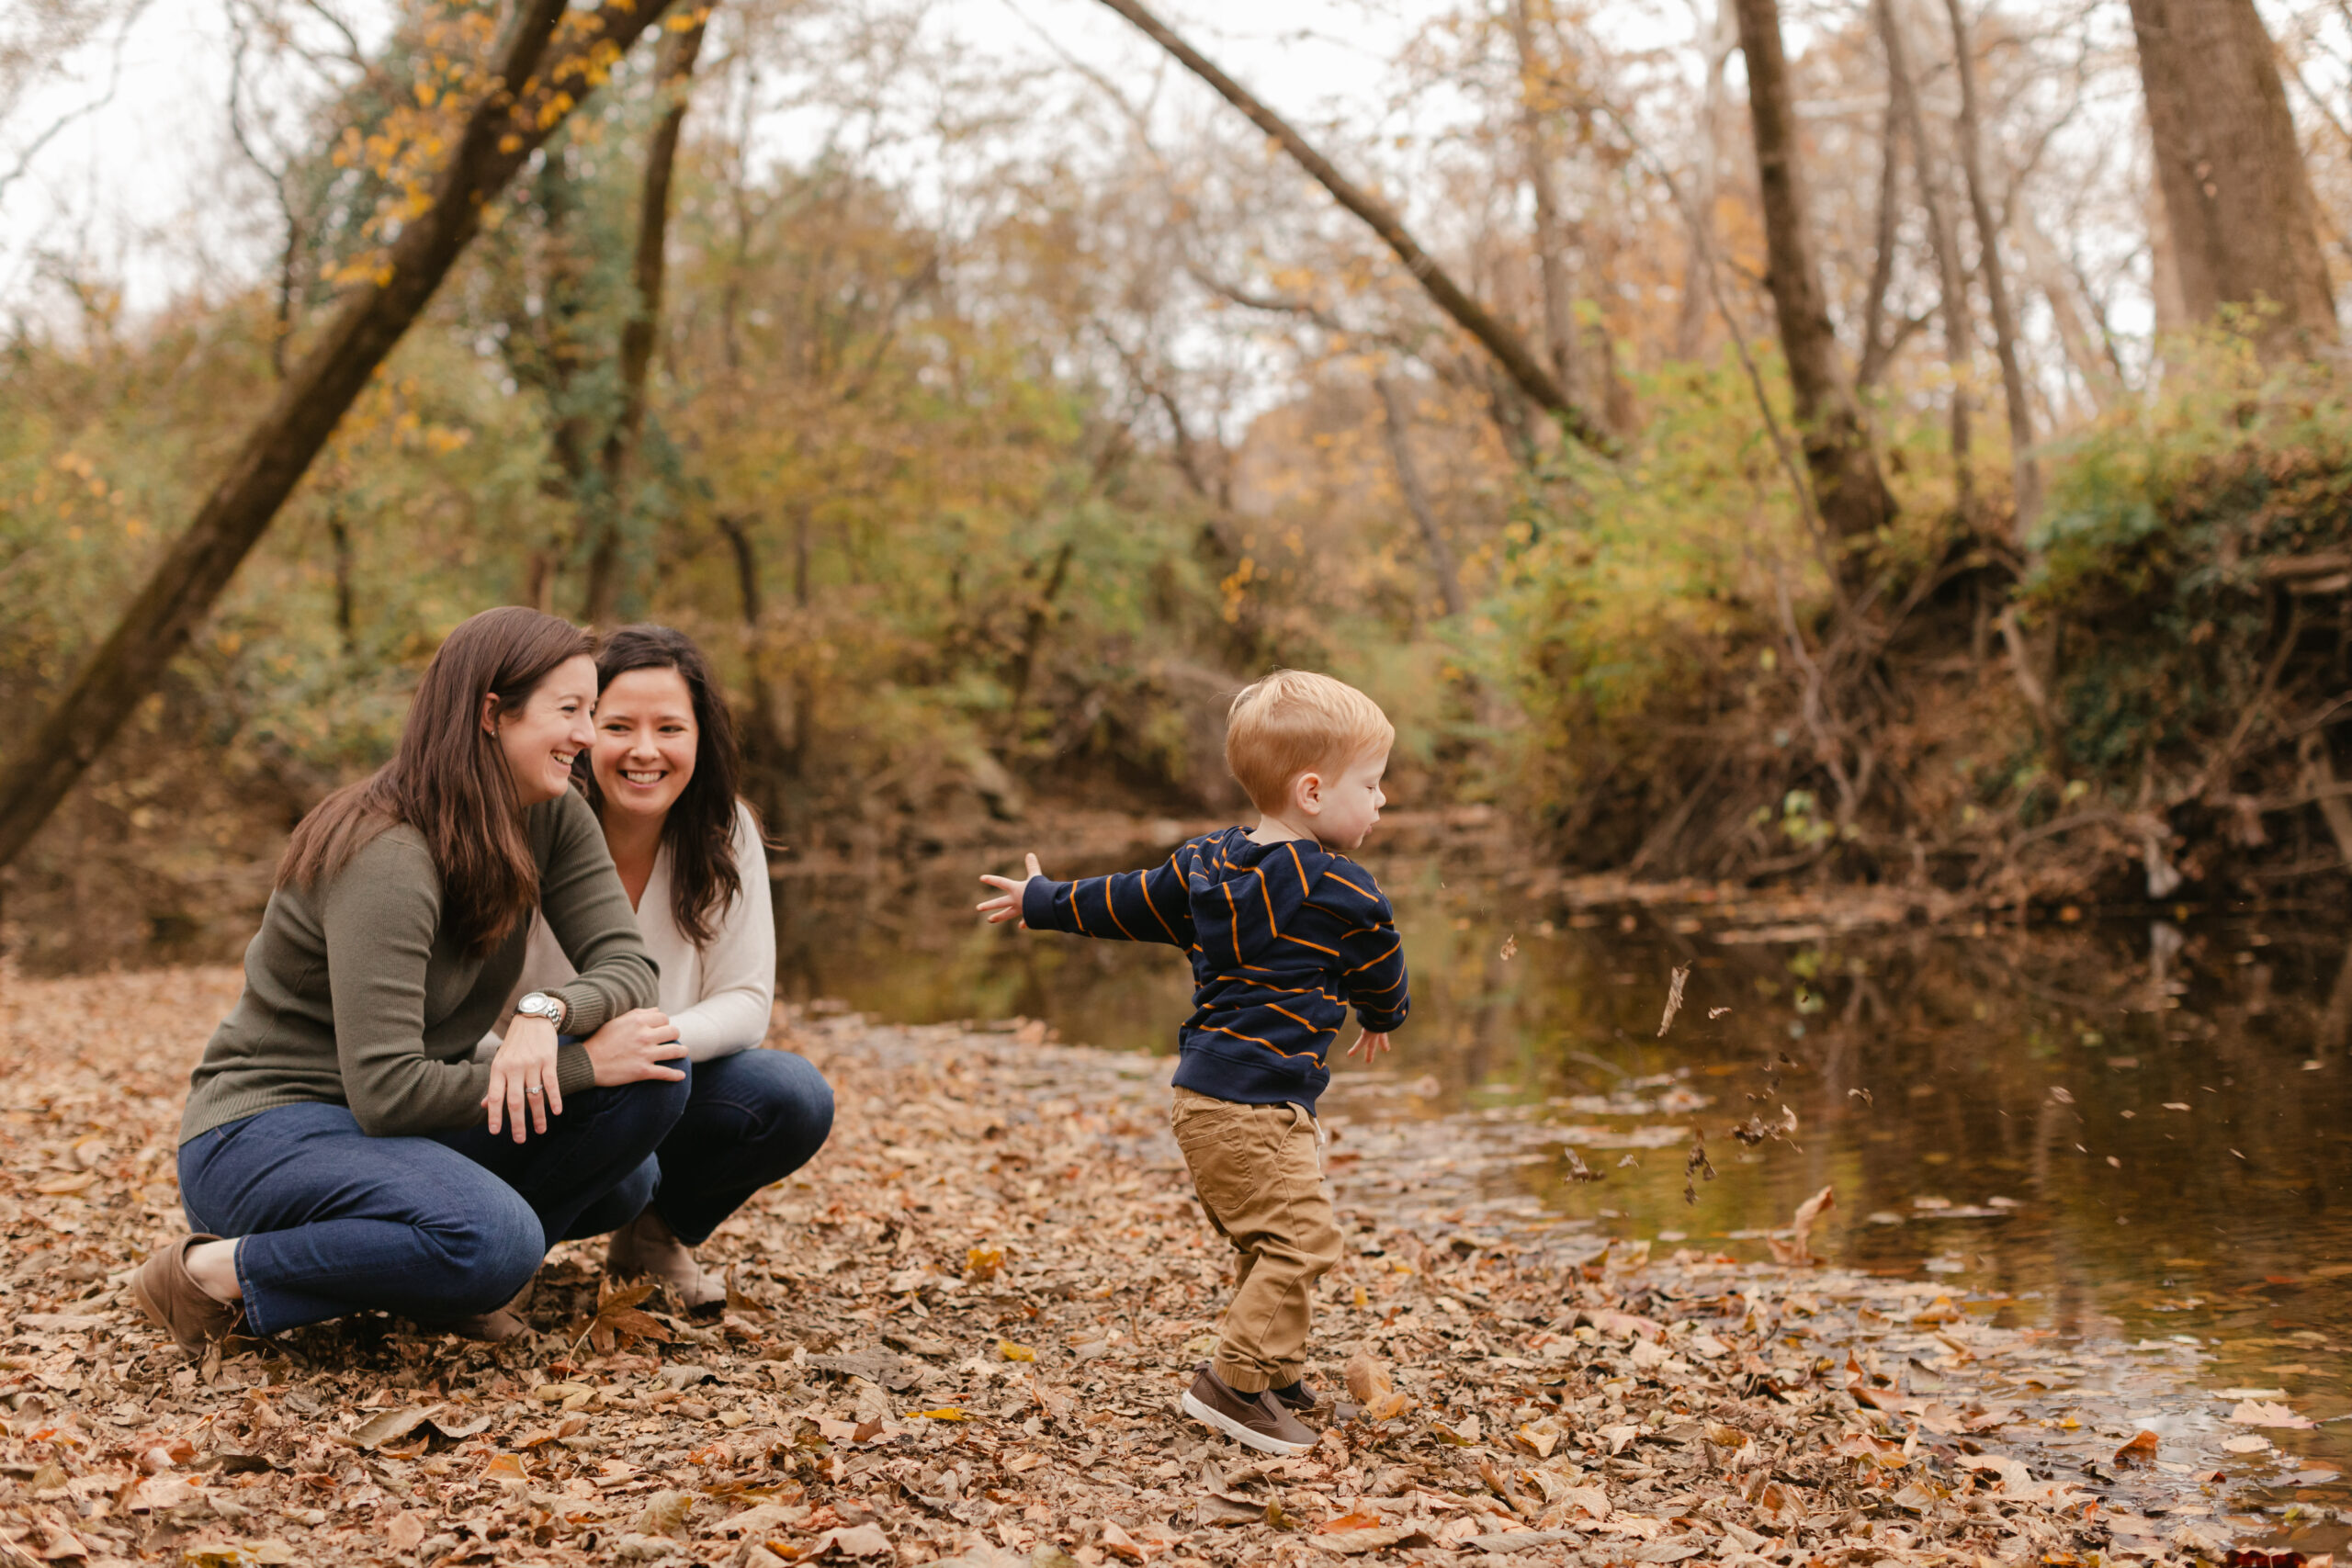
700, 829
449, 780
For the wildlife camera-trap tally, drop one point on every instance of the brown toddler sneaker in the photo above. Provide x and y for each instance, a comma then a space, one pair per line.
178, 1305
1300, 1397
1254, 1420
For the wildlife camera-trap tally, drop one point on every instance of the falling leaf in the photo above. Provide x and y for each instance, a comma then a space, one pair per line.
1696, 1167
2140, 1451
1796, 1249
1673, 997
1510, 947
1861, 1094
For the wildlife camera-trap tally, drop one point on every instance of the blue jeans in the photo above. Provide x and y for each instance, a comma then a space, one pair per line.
751, 1118
335, 1222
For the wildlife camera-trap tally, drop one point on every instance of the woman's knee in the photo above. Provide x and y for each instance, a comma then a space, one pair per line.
784, 1095
491, 1250
644, 1112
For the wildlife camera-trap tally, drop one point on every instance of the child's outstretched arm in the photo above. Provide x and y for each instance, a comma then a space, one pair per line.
1006, 905
1129, 906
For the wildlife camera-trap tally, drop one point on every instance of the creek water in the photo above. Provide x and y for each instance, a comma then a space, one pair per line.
2128, 1133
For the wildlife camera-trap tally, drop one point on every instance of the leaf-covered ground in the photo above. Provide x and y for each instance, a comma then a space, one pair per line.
961, 1335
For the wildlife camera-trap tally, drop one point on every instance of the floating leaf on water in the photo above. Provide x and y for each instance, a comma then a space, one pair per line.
2140, 1451
2267, 1413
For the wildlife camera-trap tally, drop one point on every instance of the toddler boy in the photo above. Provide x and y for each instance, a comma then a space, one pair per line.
1285, 932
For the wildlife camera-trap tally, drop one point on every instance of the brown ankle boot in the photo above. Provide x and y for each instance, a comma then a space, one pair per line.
646, 1246
498, 1325
164, 1289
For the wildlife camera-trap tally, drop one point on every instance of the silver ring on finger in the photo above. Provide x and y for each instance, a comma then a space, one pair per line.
532, 1089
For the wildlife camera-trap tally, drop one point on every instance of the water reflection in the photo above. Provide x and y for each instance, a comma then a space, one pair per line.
2131, 1129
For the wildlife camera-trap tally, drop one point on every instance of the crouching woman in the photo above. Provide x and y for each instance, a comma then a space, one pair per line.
341, 1149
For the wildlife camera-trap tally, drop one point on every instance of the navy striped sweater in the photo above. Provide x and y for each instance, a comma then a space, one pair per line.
1284, 939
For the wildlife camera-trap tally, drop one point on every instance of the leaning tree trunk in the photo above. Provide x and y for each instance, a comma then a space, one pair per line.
1507, 348
1849, 491
524, 104
2025, 473
2238, 196
606, 567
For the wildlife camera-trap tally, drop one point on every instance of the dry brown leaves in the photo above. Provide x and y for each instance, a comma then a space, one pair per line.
960, 1336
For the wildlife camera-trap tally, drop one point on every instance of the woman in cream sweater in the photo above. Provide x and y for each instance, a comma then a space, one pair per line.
662, 776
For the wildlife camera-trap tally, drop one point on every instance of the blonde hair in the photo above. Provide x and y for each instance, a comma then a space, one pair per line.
1294, 721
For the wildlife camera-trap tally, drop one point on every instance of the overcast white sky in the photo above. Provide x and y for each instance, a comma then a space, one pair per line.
135, 190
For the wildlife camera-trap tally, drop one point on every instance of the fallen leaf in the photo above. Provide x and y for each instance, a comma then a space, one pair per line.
664, 1513
1009, 1350
853, 1541
2140, 1451
617, 1321
1119, 1543
403, 1531
2247, 1443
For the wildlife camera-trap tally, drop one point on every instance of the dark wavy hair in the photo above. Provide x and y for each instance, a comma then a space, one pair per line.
449, 779
700, 829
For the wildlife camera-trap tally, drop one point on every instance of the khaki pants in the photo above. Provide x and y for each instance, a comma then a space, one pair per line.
1259, 1176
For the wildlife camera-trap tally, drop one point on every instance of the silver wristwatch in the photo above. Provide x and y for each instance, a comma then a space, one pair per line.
542, 1004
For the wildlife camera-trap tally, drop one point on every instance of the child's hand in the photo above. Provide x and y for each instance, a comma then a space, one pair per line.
1371, 1044
1007, 905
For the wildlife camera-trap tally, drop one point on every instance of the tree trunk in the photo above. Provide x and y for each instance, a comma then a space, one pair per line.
1396, 420
1691, 317
2025, 473
1551, 242
1849, 494
1878, 344
1508, 349
606, 566
501, 131
2238, 196
2056, 285
1944, 241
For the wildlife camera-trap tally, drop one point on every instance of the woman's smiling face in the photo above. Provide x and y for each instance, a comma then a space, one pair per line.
549, 728
646, 736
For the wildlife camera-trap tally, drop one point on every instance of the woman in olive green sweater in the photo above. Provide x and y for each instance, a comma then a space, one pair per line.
341, 1150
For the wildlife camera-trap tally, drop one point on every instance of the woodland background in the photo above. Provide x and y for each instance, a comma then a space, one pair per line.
1906, 442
